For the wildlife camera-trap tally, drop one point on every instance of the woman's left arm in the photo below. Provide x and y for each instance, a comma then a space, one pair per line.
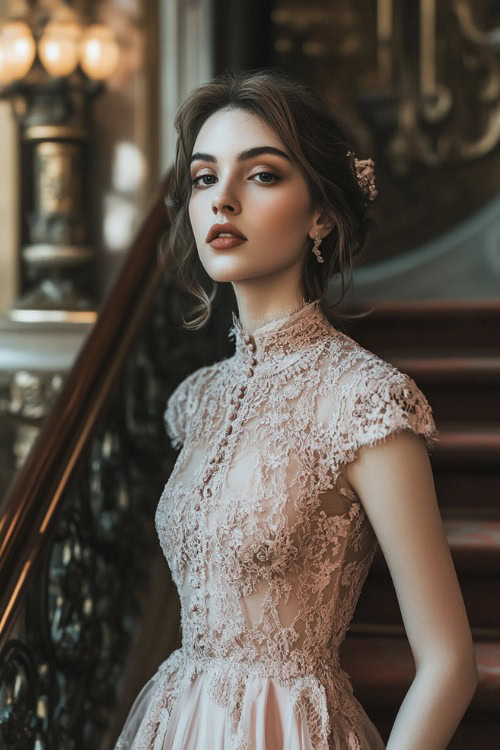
394, 481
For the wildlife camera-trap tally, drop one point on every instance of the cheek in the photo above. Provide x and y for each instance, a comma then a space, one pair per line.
288, 212
197, 217
192, 216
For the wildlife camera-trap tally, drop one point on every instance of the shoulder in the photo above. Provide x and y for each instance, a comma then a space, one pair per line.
361, 369
188, 385
375, 398
350, 353
183, 402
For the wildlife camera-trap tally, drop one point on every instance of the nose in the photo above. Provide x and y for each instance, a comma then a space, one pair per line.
225, 201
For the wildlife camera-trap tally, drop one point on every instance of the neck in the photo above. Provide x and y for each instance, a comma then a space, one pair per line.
281, 341
249, 326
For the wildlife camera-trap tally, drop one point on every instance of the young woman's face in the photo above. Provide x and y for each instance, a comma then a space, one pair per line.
263, 194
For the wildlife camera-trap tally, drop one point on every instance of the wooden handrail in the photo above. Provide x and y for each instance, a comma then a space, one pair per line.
29, 512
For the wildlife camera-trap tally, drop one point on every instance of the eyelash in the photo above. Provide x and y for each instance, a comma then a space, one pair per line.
194, 182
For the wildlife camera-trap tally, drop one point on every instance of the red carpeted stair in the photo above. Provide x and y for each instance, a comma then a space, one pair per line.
452, 351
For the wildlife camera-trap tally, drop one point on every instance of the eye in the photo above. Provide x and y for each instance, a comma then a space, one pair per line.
270, 178
194, 182
275, 177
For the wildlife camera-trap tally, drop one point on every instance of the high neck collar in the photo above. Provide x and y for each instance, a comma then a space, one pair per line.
287, 333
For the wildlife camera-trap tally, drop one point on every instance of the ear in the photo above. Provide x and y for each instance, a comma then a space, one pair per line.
322, 223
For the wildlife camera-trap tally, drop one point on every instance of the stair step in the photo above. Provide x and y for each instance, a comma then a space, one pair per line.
438, 325
474, 545
475, 549
466, 467
378, 605
477, 445
475, 491
382, 669
451, 370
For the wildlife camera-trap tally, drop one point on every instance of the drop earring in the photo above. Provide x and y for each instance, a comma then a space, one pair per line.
317, 242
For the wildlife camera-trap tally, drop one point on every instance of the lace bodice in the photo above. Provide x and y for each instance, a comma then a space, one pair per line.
267, 543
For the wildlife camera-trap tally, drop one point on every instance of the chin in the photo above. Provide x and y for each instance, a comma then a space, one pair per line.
228, 276
233, 273
238, 267
226, 268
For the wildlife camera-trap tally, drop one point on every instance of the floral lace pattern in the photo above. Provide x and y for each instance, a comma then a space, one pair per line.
267, 542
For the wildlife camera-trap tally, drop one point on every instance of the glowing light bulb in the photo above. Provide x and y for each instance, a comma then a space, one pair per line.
5, 74
17, 51
99, 52
59, 47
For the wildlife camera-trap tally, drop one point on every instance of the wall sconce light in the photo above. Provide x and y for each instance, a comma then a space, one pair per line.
99, 53
17, 51
50, 69
59, 47
62, 46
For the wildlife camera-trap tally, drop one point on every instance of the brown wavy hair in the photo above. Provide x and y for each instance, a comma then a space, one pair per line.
318, 144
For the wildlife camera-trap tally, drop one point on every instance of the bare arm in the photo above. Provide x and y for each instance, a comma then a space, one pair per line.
394, 481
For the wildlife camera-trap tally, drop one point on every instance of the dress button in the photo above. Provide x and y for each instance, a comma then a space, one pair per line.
251, 347
219, 457
197, 506
208, 492
194, 608
229, 429
223, 441
253, 361
247, 338
249, 372
233, 416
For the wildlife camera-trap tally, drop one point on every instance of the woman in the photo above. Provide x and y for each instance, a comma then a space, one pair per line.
300, 453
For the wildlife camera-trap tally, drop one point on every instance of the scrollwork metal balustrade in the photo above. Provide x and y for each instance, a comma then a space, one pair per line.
59, 672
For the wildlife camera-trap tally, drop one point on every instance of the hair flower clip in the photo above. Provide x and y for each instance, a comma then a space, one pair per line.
365, 174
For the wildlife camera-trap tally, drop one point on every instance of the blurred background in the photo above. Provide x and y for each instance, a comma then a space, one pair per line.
91, 343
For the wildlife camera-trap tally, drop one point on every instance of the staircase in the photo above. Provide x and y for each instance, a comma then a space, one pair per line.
452, 351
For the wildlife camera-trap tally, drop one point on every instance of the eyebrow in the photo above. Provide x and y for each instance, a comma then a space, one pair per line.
243, 155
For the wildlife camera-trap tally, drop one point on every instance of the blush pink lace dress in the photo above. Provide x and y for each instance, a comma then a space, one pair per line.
267, 543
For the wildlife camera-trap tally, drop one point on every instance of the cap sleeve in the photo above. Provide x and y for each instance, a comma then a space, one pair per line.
381, 401
182, 405
175, 415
